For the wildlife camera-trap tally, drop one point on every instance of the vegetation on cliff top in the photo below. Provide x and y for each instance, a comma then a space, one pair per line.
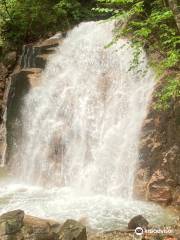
153, 25
23, 21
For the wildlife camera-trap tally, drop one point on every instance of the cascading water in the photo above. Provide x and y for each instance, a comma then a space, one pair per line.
81, 128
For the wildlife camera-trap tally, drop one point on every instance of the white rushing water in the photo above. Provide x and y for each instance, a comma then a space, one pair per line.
81, 130
81, 126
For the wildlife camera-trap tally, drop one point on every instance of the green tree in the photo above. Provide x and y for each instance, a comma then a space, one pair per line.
154, 26
26, 20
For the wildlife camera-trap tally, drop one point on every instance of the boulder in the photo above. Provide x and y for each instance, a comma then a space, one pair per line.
11, 222
55, 226
15, 225
138, 221
38, 229
72, 230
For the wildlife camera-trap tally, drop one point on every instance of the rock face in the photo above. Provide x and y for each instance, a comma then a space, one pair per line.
25, 76
17, 76
158, 175
35, 55
138, 221
15, 225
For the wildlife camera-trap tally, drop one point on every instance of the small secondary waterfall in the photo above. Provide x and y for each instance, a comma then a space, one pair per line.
81, 126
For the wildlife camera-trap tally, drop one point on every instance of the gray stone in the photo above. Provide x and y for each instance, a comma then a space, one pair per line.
11, 222
72, 230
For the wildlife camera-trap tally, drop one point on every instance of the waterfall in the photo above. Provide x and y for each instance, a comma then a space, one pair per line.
73, 137
82, 124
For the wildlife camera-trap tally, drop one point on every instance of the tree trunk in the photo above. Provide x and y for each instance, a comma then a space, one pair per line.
175, 7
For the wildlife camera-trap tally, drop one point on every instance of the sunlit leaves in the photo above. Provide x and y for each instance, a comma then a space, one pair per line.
170, 91
151, 25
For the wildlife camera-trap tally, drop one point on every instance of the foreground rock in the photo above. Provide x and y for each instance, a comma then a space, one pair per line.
37, 229
15, 225
72, 230
138, 221
11, 222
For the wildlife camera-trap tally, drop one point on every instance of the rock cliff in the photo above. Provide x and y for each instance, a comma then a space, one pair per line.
16, 79
158, 175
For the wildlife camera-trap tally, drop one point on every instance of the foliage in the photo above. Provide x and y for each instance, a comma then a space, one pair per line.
151, 25
170, 91
26, 20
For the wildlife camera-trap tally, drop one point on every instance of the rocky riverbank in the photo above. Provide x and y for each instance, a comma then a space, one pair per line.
16, 225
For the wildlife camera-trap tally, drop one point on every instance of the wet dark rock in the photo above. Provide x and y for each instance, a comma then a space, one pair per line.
11, 222
25, 76
10, 59
72, 230
138, 221
36, 55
